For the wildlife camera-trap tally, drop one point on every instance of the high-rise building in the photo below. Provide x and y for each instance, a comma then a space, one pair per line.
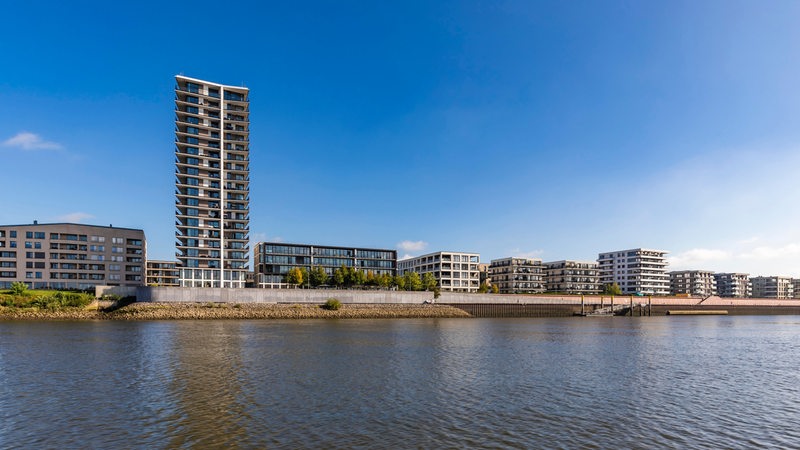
637, 271
212, 167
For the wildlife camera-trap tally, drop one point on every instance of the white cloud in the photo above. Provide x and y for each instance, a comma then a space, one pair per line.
777, 255
263, 237
532, 254
76, 217
791, 249
31, 141
406, 256
412, 246
696, 258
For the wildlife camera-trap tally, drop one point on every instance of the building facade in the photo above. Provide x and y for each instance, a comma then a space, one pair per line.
518, 275
71, 256
796, 287
454, 271
736, 285
637, 271
772, 287
163, 273
273, 260
696, 283
212, 167
572, 277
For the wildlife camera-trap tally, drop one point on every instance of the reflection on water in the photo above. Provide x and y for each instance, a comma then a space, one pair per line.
649, 382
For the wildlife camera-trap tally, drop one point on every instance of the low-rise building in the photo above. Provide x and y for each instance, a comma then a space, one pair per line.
637, 271
572, 277
273, 260
454, 271
71, 256
796, 287
163, 273
518, 275
696, 283
772, 287
734, 285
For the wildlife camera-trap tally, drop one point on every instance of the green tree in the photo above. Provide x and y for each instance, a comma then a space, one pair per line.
295, 276
359, 277
612, 289
384, 280
339, 276
399, 282
318, 276
372, 279
428, 281
495, 289
412, 281
484, 288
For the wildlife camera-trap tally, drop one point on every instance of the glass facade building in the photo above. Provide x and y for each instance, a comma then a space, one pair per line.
273, 260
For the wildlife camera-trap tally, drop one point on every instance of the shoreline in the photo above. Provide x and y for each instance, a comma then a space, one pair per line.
235, 311
288, 311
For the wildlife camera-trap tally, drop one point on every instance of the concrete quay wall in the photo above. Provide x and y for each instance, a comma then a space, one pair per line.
319, 296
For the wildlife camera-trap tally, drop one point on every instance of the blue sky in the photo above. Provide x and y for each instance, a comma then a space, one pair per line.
555, 130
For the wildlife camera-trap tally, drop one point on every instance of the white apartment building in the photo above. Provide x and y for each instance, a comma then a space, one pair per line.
696, 283
212, 180
572, 277
637, 271
735, 285
454, 271
772, 287
518, 275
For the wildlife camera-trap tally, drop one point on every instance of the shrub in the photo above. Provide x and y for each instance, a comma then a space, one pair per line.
18, 288
62, 300
332, 304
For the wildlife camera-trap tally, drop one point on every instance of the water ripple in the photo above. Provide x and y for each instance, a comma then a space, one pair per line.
658, 382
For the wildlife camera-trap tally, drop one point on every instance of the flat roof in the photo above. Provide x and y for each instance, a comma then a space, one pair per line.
110, 227
343, 247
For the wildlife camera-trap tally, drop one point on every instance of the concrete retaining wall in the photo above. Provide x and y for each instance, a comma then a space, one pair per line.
319, 296
173, 294
122, 291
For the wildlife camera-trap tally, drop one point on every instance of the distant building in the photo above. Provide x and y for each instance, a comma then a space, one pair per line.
636, 271
483, 274
697, 283
454, 271
71, 256
796, 287
273, 260
772, 287
162, 273
735, 285
518, 275
572, 277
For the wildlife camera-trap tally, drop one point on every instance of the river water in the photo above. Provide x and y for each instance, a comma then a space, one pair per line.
622, 382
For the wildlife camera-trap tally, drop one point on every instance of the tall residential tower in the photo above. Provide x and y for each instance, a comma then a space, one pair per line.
212, 169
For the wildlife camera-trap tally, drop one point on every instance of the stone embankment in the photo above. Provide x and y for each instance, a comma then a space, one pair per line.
211, 311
